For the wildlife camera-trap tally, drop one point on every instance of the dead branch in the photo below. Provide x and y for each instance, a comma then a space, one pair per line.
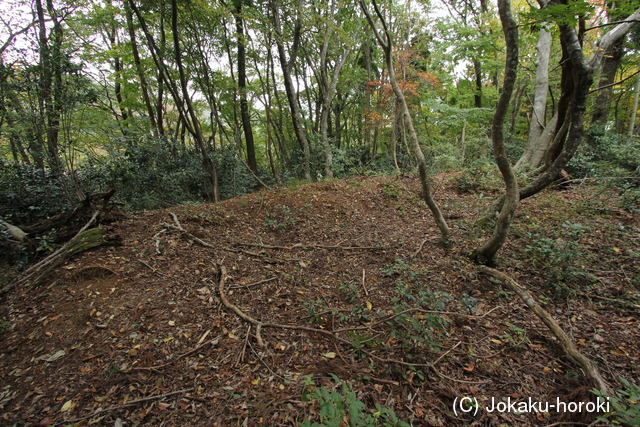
311, 246
193, 239
159, 273
240, 313
565, 341
333, 334
14, 231
253, 284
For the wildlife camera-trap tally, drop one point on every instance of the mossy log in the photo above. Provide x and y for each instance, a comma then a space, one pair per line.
85, 239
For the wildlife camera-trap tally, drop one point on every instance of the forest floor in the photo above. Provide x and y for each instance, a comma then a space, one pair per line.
356, 303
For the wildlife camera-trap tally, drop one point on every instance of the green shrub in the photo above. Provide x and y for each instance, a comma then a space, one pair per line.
29, 194
343, 405
624, 405
605, 154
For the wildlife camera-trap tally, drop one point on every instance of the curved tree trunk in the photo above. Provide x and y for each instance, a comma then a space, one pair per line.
583, 77
387, 45
487, 252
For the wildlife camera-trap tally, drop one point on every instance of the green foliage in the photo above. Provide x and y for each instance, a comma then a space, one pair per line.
156, 172
343, 405
413, 329
563, 14
29, 194
149, 174
557, 258
233, 177
630, 194
605, 155
479, 178
280, 217
314, 308
349, 290
625, 405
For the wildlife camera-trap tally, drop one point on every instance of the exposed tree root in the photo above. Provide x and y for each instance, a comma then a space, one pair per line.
334, 334
567, 344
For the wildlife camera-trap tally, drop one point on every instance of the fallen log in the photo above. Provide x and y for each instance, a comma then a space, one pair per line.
85, 239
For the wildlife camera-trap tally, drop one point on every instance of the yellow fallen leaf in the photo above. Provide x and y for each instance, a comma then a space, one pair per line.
167, 339
616, 250
172, 322
66, 406
255, 382
369, 305
330, 355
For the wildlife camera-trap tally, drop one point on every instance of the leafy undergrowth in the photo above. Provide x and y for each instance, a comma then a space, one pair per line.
366, 320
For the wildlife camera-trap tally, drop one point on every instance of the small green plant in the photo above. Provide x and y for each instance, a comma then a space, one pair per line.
396, 268
412, 329
314, 307
630, 194
517, 337
349, 290
468, 302
343, 406
45, 242
280, 218
624, 408
557, 257
4, 326
391, 191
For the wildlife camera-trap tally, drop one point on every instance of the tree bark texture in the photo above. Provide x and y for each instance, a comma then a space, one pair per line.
242, 86
487, 252
583, 77
537, 126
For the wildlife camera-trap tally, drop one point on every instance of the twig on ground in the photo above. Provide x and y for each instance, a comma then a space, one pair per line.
253, 284
172, 361
310, 246
415, 254
364, 285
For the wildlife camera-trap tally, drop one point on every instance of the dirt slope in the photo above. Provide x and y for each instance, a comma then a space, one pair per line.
348, 282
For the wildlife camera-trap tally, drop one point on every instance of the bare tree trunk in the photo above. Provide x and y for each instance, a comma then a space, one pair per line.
292, 95
610, 65
138, 64
634, 110
387, 45
534, 142
487, 252
242, 86
477, 70
583, 77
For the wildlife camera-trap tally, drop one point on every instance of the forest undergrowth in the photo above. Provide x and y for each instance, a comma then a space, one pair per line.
329, 304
